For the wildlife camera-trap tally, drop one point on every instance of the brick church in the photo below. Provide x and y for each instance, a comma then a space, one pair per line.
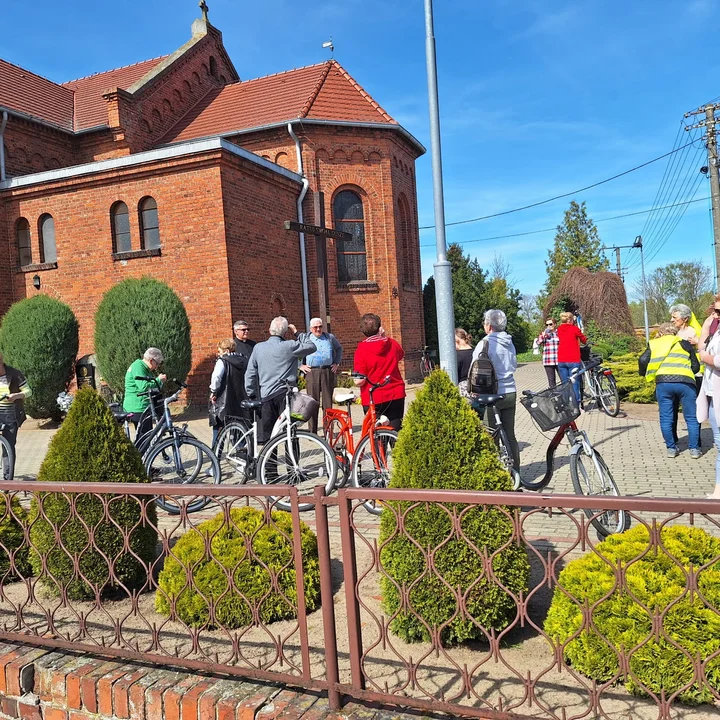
177, 168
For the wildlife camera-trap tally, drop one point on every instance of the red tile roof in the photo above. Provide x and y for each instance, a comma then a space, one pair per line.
27, 93
90, 108
324, 91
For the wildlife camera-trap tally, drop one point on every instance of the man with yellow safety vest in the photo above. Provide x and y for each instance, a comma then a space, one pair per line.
672, 366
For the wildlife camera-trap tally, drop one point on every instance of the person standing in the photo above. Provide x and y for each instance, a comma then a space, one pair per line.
143, 367
569, 339
321, 367
464, 352
501, 351
243, 344
227, 387
272, 364
548, 340
14, 389
708, 400
377, 357
688, 328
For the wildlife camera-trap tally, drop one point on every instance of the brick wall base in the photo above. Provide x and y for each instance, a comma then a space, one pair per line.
38, 684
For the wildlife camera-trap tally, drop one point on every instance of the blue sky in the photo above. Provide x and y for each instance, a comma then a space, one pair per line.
537, 98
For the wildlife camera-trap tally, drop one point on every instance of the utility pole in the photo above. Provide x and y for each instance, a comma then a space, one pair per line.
711, 143
639, 244
618, 266
617, 260
442, 268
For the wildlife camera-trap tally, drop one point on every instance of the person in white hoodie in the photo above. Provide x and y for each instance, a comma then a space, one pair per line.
501, 352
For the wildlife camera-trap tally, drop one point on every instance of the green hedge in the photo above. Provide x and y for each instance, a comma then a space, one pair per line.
656, 578
39, 337
13, 548
137, 314
90, 446
443, 445
631, 385
264, 580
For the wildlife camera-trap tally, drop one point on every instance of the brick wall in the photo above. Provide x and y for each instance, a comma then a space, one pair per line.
33, 148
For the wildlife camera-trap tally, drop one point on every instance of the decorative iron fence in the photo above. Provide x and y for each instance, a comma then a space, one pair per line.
476, 604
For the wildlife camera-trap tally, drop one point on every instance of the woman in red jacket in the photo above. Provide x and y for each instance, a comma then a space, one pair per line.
377, 357
570, 338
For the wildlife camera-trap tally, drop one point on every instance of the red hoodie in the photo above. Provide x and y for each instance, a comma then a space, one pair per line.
377, 357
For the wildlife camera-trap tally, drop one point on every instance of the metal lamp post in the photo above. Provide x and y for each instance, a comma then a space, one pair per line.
638, 244
442, 267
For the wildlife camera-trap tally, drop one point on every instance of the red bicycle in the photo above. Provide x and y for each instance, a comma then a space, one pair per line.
369, 463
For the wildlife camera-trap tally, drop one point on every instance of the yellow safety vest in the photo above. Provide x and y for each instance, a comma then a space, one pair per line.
668, 357
695, 325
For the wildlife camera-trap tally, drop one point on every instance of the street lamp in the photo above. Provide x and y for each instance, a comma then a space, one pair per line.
441, 269
638, 244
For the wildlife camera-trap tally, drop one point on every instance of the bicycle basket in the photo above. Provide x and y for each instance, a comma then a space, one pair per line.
553, 407
585, 353
303, 407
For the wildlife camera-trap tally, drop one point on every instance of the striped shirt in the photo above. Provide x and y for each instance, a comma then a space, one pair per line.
7, 407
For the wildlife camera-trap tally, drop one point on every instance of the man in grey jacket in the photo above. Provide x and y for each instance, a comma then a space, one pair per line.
272, 363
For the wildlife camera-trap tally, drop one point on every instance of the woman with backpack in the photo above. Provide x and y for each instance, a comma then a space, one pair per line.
498, 347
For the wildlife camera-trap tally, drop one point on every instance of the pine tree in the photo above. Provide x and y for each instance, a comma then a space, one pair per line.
577, 244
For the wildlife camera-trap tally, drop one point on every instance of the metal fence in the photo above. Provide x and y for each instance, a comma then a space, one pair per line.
379, 609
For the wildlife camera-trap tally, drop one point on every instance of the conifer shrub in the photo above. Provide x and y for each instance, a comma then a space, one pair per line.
136, 314
264, 579
90, 446
655, 577
443, 445
13, 548
39, 337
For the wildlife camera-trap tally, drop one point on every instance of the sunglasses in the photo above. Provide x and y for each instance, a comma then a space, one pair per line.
549, 324
716, 311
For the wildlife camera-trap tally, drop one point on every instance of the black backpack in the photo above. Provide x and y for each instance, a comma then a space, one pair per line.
482, 379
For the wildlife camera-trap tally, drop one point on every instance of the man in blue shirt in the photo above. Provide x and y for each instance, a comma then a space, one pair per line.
321, 367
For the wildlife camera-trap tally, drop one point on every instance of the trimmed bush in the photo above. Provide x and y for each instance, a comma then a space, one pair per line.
137, 314
90, 446
443, 445
12, 541
264, 579
658, 581
39, 337
631, 385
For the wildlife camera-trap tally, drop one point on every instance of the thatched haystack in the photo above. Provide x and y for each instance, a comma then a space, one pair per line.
599, 296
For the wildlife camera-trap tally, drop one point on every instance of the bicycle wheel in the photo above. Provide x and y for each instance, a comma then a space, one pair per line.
589, 386
305, 461
374, 472
506, 457
234, 451
7, 459
335, 437
591, 476
181, 461
609, 396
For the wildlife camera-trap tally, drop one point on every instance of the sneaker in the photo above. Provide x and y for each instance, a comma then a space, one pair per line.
672, 452
695, 453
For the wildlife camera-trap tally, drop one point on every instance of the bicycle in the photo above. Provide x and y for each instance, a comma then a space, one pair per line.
7, 454
426, 363
557, 408
601, 387
369, 463
289, 457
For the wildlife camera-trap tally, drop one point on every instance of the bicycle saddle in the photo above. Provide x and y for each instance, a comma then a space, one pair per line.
340, 399
488, 400
250, 404
121, 416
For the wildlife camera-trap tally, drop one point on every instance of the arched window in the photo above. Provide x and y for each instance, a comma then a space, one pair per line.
120, 227
405, 246
351, 255
149, 226
213, 66
46, 231
22, 235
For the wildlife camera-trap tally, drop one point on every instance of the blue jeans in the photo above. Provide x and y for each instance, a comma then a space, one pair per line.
716, 437
667, 394
565, 369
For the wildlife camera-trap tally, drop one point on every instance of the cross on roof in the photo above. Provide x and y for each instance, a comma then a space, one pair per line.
204, 9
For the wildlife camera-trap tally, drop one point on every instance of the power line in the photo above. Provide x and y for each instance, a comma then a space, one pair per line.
553, 229
564, 195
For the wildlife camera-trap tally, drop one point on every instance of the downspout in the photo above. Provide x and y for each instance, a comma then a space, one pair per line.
301, 197
3, 123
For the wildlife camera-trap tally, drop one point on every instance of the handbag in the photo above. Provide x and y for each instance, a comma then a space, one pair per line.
644, 361
303, 407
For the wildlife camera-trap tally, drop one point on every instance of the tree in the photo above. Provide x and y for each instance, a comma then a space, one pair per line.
39, 337
577, 244
137, 314
501, 269
529, 308
473, 294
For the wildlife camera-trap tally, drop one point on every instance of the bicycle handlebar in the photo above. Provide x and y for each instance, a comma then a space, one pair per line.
375, 386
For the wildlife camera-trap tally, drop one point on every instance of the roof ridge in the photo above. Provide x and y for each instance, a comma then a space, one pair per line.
104, 72
277, 74
316, 90
363, 92
37, 75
